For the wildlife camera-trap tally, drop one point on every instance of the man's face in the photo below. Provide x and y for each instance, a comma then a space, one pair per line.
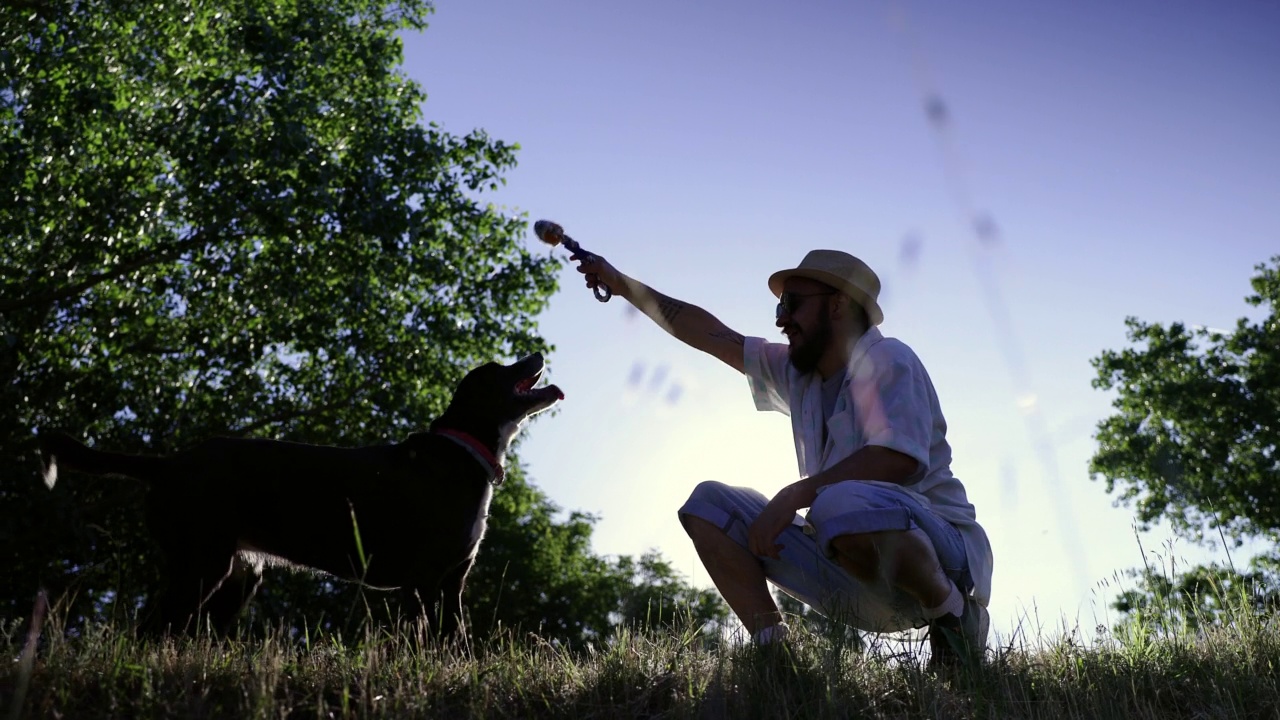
804, 318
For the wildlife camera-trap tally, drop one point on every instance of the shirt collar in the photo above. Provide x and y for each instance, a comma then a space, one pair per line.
860, 348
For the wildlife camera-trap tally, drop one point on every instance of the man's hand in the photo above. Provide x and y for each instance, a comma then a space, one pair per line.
688, 323
598, 271
763, 534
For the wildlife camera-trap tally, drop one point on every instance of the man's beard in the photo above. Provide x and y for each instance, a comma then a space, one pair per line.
805, 354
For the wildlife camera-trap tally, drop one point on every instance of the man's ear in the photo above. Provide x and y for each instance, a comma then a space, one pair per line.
846, 310
839, 305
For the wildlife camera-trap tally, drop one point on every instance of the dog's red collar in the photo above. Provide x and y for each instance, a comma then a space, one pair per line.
479, 452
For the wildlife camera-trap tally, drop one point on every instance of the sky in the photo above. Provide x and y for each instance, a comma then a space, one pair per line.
1022, 177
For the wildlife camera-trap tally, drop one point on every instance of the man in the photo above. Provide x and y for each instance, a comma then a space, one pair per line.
890, 541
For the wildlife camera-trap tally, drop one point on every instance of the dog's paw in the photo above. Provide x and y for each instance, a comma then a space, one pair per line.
49, 470
49, 442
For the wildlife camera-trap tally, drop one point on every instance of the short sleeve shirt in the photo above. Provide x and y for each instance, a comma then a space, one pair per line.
884, 398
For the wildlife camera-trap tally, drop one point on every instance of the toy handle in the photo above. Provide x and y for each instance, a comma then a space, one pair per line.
552, 234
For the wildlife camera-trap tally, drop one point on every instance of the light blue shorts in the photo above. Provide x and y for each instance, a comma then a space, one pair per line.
806, 570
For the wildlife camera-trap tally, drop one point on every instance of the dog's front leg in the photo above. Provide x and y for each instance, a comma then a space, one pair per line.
194, 579
450, 612
226, 604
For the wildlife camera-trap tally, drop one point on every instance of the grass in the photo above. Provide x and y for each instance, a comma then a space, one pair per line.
1231, 670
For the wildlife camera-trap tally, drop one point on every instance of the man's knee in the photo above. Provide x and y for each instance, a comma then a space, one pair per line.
699, 529
708, 502
711, 491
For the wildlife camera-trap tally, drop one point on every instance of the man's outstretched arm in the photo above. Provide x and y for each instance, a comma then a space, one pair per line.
688, 323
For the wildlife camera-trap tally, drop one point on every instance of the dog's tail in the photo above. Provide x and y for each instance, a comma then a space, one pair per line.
59, 448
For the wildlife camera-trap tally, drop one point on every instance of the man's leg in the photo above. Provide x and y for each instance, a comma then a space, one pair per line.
737, 574
716, 513
906, 559
880, 535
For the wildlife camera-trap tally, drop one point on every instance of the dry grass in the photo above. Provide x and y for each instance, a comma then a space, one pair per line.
1230, 671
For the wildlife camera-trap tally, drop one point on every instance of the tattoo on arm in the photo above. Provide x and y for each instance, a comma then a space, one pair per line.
669, 308
729, 335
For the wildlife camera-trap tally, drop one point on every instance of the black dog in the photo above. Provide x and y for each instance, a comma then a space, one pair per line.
409, 515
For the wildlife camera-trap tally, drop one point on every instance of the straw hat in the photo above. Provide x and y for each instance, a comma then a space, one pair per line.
841, 271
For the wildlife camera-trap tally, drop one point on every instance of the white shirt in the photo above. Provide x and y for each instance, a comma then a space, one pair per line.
887, 400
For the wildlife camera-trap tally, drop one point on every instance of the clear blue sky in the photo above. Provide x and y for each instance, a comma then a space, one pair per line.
1126, 154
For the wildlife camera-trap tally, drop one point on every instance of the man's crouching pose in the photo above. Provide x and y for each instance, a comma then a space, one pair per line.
890, 541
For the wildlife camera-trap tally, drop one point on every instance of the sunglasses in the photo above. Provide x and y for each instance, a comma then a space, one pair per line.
789, 302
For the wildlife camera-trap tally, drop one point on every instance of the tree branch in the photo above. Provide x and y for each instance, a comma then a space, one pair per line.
287, 416
124, 268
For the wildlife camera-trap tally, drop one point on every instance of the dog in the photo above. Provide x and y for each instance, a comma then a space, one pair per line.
407, 516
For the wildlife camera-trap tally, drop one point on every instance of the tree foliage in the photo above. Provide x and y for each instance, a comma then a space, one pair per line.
1195, 437
1194, 442
539, 574
230, 218
1175, 603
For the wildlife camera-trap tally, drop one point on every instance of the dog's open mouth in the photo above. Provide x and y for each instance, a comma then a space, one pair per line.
525, 388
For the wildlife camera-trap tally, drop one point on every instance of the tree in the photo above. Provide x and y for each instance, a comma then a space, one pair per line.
655, 596
1173, 603
537, 573
1194, 440
229, 218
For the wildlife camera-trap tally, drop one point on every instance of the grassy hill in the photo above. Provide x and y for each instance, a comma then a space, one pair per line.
1229, 671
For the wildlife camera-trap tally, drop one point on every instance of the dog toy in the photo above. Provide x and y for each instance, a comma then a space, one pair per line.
552, 234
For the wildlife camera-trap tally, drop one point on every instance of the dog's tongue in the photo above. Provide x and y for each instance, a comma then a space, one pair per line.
556, 389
